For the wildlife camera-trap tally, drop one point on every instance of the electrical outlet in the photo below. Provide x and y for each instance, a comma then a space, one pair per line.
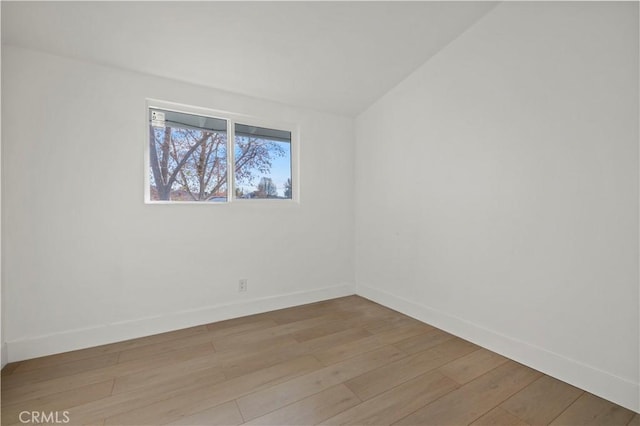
242, 285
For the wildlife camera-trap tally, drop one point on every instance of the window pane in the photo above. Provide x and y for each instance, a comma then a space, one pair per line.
187, 157
262, 162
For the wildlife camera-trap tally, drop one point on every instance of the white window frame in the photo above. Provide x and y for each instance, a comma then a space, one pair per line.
232, 119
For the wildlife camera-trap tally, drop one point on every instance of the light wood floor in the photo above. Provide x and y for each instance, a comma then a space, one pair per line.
343, 361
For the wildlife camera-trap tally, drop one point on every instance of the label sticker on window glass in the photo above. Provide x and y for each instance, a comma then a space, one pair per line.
157, 119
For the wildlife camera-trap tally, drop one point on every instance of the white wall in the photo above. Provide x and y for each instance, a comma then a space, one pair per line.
87, 262
3, 345
497, 191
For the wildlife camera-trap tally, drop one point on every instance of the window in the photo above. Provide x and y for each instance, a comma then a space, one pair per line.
262, 162
199, 156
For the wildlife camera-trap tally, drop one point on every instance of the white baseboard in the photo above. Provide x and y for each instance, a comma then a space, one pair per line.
4, 355
22, 349
606, 385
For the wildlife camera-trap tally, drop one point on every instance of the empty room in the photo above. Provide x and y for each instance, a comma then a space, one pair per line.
333, 212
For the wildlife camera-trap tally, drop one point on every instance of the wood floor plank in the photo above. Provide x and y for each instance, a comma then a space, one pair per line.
336, 308
155, 376
394, 373
226, 414
392, 321
232, 363
422, 342
263, 336
249, 347
259, 403
240, 364
57, 402
500, 417
635, 421
58, 370
196, 339
352, 347
542, 401
10, 368
192, 401
39, 389
326, 328
237, 322
116, 404
469, 402
96, 351
403, 332
396, 403
235, 366
311, 410
158, 348
467, 368
294, 314
589, 410
328, 341
244, 327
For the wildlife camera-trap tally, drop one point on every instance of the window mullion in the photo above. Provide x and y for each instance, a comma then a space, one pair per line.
231, 166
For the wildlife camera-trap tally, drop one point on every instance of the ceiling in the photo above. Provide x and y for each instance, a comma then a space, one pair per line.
332, 56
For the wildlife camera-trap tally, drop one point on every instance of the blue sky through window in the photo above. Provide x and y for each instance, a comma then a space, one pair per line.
279, 172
